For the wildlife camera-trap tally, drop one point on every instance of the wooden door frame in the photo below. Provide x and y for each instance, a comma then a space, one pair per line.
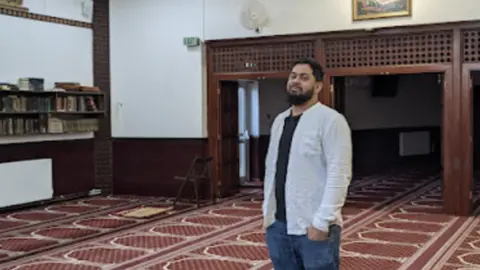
456, 194
456, 197
467, 118
213, 113
219, 170
213, 100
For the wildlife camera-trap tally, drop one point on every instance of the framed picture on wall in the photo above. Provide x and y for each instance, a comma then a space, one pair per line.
377, 9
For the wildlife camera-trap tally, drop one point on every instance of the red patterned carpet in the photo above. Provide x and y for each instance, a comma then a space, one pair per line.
392, 222
27, 232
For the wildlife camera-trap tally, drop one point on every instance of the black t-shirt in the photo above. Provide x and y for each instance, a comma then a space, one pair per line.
282, 164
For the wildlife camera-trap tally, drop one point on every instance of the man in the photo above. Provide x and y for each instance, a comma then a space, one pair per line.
308, 171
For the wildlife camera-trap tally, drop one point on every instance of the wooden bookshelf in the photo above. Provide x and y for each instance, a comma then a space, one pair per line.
50, 112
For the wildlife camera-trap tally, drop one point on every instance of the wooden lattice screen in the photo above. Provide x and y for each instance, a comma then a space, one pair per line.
471, 46
260, 58
377, 51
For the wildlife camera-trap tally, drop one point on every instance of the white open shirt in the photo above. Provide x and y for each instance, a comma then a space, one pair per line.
319, 170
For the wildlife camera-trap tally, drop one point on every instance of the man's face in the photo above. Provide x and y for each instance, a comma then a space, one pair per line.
301, 85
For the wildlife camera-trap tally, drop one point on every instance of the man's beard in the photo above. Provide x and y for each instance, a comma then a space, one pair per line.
300, 98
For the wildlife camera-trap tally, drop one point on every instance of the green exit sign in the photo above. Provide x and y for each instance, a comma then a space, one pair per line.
191, 41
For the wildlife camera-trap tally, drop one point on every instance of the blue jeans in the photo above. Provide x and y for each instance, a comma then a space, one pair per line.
297, 252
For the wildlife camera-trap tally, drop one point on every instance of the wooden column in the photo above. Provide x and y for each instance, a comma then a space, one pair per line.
467, 134
456, 179
470, 61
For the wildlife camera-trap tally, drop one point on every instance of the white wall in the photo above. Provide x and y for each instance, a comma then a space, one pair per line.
273, 100
157, 83
303, 16
47, 50
417, 104
55, 52
68, 9
158, 87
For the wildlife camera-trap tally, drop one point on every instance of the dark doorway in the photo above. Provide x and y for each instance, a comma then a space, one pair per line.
395, 120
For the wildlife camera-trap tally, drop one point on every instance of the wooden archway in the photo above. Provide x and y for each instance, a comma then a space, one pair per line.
245, 60
445, 48
409, 53
470, 59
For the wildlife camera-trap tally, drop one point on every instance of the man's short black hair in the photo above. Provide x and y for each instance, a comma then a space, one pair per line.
317, 70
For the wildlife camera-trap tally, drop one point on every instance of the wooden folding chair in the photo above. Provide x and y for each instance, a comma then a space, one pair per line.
199, 171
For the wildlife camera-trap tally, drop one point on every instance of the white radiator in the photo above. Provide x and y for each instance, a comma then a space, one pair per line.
414, 143
25, 182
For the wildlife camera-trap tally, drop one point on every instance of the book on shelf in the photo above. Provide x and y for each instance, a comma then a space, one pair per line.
75, 104
37, 85
31, 84
48, 125
14, 126
27, 108
13, 103
57, 125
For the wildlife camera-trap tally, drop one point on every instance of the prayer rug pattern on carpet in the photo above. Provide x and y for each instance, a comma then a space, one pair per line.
391, 222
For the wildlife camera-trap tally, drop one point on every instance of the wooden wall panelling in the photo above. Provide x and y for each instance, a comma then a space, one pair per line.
147, 166
72, 163
388, 50
471, 46
261, 41
325, 97
270, 58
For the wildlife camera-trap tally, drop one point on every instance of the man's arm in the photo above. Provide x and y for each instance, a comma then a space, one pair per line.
337, 146
269, 166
